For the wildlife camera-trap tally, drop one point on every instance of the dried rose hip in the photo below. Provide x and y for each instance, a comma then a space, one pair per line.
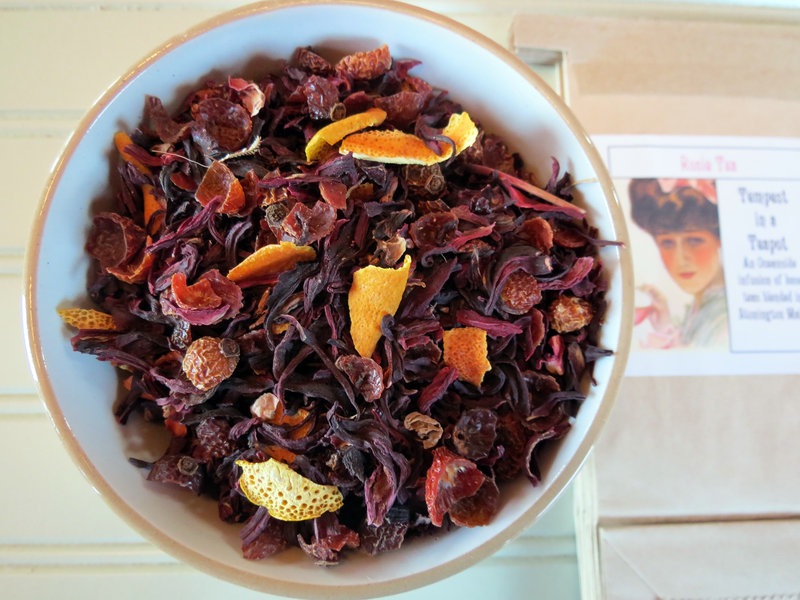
477, 510
449, 479
209, 361
568, 313
366, 65
520, 293
364, 373
475, 432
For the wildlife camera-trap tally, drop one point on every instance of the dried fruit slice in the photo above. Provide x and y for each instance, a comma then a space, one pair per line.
465, 348
391, 146
220, 182
88, 318
568, 313
450, 479
209, 361
335, 132
270, 260
462, 130
286, 494
366, 65
374, 293
397, 147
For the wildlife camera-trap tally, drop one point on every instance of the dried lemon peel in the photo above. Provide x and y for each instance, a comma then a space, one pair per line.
287, 495
88, 318
271, 260
335, 132
374, 293
466, 350
397, 147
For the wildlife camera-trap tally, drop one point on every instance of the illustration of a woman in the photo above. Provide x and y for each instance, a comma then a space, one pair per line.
684, 223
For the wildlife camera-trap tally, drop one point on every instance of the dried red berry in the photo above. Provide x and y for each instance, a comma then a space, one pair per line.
475, 432
449, 479
520, 293
364, 373
366, 65
212, 440
209, 361
568, 313
477, 510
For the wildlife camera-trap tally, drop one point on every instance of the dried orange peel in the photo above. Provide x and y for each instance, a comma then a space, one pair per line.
122, 140
398, 147
335, 132
270, 260
374, 293
88, 318
465, 349
462, 130
286, 494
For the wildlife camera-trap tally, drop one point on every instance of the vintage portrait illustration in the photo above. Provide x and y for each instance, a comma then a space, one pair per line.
675, 233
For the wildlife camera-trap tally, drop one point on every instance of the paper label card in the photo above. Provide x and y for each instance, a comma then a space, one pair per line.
714, 226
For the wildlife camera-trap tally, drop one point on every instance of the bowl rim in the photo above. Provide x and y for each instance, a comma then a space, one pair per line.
187, 554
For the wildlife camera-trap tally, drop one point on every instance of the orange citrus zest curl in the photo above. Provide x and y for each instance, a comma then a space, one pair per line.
465, 349
374, 293
398, 147
334, 132
271, 260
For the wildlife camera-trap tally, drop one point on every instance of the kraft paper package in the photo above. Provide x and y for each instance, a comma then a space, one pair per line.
693, 489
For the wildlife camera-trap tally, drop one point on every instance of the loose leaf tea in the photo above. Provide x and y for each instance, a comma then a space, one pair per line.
352, 307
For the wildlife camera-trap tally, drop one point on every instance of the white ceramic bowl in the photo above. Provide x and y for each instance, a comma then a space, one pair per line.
494, 86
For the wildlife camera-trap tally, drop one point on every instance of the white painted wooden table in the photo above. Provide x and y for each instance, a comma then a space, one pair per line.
57, 537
